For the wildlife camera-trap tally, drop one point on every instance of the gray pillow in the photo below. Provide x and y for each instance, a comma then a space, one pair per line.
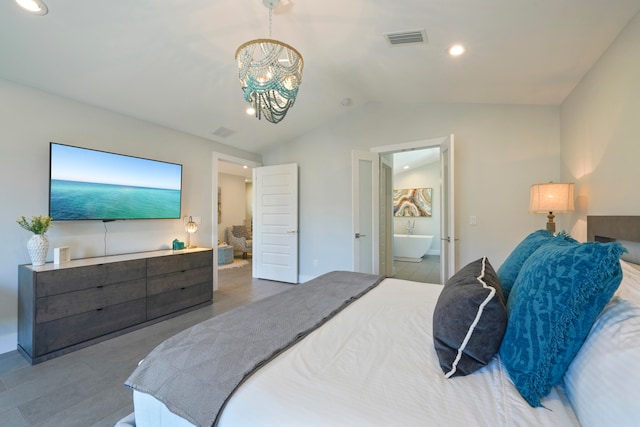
469, 319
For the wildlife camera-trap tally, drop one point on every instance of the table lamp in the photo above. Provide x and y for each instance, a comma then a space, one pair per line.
549, 198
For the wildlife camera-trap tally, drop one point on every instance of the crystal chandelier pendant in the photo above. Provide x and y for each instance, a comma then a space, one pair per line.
270, 73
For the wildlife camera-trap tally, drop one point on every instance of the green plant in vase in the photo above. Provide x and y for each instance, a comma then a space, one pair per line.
37, 224
38, 245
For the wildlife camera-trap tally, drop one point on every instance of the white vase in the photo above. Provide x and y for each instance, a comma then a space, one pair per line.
37, 246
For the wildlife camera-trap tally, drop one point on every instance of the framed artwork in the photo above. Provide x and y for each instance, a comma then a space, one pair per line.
412, 202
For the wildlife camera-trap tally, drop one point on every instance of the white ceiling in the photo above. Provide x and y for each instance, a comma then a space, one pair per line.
414, 159
171, 62
235, 169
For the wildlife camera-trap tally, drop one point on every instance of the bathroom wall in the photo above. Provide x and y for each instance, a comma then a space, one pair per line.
425, 176
234, 202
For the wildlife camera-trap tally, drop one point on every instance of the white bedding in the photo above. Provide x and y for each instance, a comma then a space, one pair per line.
373, 364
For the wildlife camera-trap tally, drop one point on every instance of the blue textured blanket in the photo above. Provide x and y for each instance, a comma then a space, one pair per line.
195, 372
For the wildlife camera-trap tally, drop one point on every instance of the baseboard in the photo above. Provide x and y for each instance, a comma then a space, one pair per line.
406, 259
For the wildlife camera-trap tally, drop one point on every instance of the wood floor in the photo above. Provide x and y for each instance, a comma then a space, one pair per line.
85, 388
426, 271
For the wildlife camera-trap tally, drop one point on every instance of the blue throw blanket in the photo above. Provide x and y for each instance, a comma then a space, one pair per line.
195, 372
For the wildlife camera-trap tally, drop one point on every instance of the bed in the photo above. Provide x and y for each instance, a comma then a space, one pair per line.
395, 352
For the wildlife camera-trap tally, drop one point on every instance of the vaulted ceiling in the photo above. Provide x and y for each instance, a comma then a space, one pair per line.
171, 62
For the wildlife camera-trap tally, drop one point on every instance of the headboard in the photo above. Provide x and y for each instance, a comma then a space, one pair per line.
623, 229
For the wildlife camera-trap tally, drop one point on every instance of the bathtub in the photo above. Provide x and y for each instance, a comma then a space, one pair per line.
410, 247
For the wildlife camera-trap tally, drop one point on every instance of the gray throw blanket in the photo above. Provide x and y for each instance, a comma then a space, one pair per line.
195, 372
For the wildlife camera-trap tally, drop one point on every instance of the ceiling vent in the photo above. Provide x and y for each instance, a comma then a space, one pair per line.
223, 132
403, 38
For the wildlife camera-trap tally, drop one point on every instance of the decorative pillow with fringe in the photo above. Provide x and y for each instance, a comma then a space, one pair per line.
508, 271
555, 300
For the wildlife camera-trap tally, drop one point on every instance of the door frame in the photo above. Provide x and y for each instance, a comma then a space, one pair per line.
449, 255
448, 238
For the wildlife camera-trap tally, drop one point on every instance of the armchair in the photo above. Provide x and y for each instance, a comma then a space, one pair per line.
239, 237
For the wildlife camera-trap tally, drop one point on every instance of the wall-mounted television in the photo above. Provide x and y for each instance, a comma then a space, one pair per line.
87, 184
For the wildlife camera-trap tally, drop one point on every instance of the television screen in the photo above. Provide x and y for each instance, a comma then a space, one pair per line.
92, 184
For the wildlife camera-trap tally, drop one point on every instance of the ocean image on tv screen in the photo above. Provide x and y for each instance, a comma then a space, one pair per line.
89, 184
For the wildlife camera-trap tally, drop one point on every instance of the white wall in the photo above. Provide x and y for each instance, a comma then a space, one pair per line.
234, 202
425, 176
500, 151
601, 134
30, 120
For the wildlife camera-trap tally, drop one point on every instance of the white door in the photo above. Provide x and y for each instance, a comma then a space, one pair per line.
365, 199
447, 211
275, 238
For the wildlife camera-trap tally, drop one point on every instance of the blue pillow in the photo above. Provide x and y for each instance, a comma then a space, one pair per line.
557, 296
508, 271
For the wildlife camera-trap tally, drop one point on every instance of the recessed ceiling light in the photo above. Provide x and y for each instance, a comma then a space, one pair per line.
456, 50
36, 7
406, 167
251, 111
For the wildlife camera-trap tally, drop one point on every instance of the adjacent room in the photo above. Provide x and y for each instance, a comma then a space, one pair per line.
175, 175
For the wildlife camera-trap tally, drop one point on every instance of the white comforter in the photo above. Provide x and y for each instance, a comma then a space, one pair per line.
373, 365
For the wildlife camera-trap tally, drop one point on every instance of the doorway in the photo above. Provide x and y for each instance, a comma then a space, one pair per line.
235, 214
414, 193
376, 206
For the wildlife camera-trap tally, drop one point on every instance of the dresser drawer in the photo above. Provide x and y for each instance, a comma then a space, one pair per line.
57, 334
176, 263
172, 301
72, 303
74, 279
182, 279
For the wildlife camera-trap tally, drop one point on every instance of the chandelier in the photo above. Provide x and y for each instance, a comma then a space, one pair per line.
270, 73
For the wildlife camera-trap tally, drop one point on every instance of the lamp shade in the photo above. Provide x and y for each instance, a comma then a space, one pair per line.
191, 227
551, 197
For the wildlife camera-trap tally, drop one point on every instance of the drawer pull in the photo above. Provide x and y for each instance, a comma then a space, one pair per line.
100, 309
183, 271
99, 286
182, 288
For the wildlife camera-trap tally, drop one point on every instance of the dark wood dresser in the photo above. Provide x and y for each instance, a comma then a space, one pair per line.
62, 308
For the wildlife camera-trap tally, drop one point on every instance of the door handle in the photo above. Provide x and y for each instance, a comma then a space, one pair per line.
292, 232
448, 239
358, 235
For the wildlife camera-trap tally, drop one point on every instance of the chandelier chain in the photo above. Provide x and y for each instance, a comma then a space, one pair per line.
270, 13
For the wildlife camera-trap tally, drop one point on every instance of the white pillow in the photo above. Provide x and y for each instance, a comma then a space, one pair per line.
603, 381
629, 288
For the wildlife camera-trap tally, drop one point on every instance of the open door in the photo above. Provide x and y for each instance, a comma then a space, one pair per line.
365, 208
275, 237
447, 211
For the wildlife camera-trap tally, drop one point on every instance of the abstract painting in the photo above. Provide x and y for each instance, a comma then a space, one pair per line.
412, 202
